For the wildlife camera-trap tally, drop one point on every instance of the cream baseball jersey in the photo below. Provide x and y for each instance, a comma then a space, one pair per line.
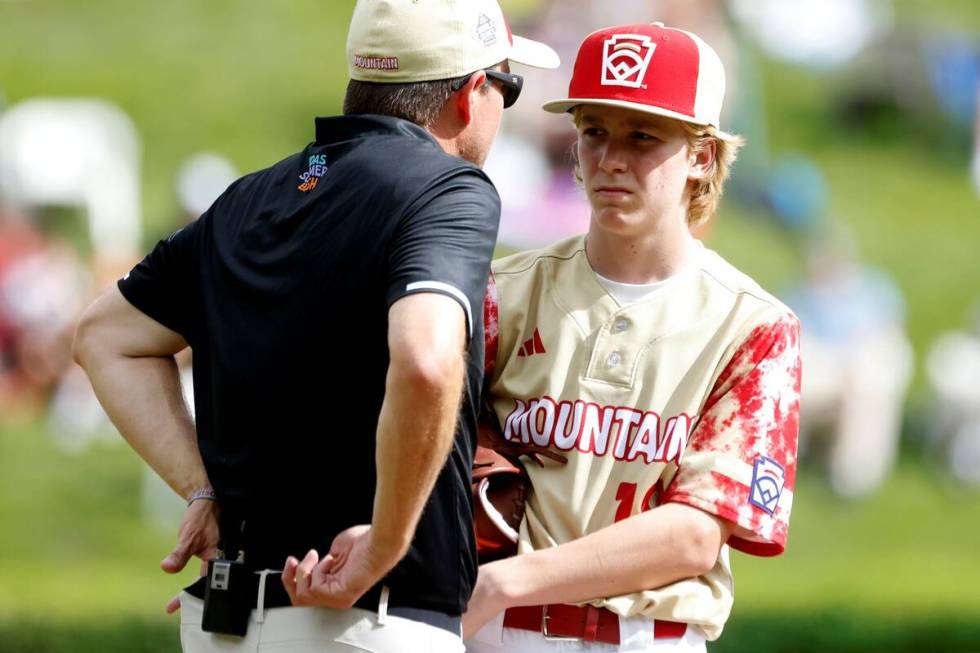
690, 395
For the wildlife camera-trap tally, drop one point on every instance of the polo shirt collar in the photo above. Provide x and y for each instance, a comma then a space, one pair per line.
336, 129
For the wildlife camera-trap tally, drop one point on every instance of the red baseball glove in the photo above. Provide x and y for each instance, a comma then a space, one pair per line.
500, 488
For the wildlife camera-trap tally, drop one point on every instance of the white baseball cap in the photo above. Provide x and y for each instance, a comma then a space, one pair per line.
649, 68
399, 41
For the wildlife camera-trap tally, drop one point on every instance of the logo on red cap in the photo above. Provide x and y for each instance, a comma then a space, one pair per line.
625, 59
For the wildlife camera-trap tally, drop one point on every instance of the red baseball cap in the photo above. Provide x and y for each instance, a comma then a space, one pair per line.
650, 68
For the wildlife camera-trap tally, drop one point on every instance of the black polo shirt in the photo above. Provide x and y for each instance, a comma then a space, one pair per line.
282, 289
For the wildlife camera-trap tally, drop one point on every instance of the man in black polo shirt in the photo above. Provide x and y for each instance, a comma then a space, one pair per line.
332, 304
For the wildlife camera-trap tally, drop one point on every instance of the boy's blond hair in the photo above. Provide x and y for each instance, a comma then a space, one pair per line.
707, 191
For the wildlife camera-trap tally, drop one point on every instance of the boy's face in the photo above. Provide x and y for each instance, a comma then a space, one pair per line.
635, 167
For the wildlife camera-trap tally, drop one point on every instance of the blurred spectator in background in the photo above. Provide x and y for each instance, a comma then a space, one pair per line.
82, 154
916, 82
540, 200
816, 33
44, 285
953, 369
69, 180
19, 240
953, 62
858, 363
795, 192
975, 167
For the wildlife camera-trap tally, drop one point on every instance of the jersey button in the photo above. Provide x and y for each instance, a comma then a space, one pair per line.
614, 359
620, 325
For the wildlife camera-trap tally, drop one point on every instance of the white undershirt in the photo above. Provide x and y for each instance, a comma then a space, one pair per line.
630, 293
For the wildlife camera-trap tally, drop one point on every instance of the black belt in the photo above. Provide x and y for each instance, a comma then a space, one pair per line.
276, 597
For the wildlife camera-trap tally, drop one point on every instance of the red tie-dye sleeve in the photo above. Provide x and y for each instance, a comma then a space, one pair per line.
740, 462
491, 328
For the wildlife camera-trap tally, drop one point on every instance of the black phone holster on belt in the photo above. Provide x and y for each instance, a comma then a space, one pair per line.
230, 590
229, 597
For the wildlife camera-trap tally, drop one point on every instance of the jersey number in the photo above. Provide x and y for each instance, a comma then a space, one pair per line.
626, 493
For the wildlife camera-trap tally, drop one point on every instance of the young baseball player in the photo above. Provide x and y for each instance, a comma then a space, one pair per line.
667, 378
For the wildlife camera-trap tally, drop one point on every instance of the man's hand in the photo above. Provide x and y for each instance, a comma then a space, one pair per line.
351, 568
197, 536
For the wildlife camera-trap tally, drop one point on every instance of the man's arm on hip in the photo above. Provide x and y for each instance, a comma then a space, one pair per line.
129, 358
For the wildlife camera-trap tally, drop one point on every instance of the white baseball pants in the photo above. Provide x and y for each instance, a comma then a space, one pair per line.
315, 630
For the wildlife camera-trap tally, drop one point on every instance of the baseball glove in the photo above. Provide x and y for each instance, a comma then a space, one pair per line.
500, 488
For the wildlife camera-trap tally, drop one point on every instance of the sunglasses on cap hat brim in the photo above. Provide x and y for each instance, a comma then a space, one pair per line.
511, 83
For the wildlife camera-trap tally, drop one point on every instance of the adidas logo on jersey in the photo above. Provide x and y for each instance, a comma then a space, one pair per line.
532, 345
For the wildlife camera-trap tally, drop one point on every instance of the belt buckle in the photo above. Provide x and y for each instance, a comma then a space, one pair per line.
544, 629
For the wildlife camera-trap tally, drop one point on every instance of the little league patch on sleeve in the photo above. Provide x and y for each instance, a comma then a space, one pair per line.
768, 479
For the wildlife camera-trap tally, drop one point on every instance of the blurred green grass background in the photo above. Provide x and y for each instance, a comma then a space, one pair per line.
898, 572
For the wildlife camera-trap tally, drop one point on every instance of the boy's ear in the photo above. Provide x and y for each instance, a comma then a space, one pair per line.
702, 160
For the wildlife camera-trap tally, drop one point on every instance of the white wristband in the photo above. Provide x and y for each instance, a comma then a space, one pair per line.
205, 493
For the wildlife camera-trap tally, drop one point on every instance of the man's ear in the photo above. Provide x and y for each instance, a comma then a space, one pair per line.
702, 160
466, 96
